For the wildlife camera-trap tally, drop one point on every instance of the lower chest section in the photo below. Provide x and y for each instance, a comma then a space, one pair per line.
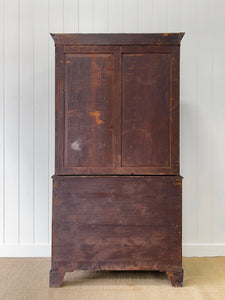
117, 222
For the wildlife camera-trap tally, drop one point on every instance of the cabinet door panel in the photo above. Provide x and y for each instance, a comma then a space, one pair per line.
146, 106
88, 110
117, 110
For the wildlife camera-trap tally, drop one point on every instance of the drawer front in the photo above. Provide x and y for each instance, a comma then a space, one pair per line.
118, 200
120, 220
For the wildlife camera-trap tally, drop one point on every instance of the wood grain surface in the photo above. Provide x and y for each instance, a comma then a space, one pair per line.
88, 110
117, 222
117, 113
146, 109
117, 109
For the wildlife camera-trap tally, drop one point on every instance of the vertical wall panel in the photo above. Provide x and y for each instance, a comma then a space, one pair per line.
189, 134
218, 71
41, 36
130, 16
26, 109
160, 15
55, 25
175, 14
145, 16
11, 122
71, 17
115, 15
86, 20
204, 122
100, 12
2, 122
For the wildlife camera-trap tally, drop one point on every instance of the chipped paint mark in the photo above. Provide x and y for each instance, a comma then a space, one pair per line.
68, 61
166, 34
61, 61
96, 114
76, 145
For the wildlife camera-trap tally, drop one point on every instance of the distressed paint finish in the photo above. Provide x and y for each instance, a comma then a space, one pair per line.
117, 113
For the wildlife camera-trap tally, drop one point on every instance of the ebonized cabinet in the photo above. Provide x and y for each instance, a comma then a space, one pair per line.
117, 188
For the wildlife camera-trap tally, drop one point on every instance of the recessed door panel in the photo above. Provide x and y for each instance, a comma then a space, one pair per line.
88, 110
146, 106
117, 110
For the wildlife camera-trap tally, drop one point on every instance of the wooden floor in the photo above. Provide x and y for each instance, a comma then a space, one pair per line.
27, 278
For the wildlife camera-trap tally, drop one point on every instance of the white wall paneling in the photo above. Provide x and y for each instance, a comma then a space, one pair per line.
218, 122
160, 15
204, 120
145, 16
189, 121
100, 15
70, 15
26, 124
41, 114
115, 15
130, 16
86, 16
2, 124
27, 110
11, 122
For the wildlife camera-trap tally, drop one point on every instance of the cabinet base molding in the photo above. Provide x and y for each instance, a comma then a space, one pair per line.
117, 223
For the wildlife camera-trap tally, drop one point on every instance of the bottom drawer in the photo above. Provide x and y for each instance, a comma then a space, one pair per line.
116, 222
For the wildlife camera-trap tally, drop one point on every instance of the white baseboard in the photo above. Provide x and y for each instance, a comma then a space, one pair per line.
44, 250
30, 250
200, 250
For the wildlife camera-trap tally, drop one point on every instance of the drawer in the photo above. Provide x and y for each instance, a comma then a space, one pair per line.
118, 200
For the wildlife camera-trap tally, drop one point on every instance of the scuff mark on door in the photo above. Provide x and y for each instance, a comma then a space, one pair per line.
76, 145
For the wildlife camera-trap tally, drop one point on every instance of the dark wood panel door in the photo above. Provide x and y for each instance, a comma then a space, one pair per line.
146, 109
117, 110
88, 110
88, 114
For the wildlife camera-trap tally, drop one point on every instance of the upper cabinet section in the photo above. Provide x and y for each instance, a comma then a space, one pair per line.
117, 104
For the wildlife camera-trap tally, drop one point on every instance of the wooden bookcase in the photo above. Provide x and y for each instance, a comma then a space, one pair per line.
117, 188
